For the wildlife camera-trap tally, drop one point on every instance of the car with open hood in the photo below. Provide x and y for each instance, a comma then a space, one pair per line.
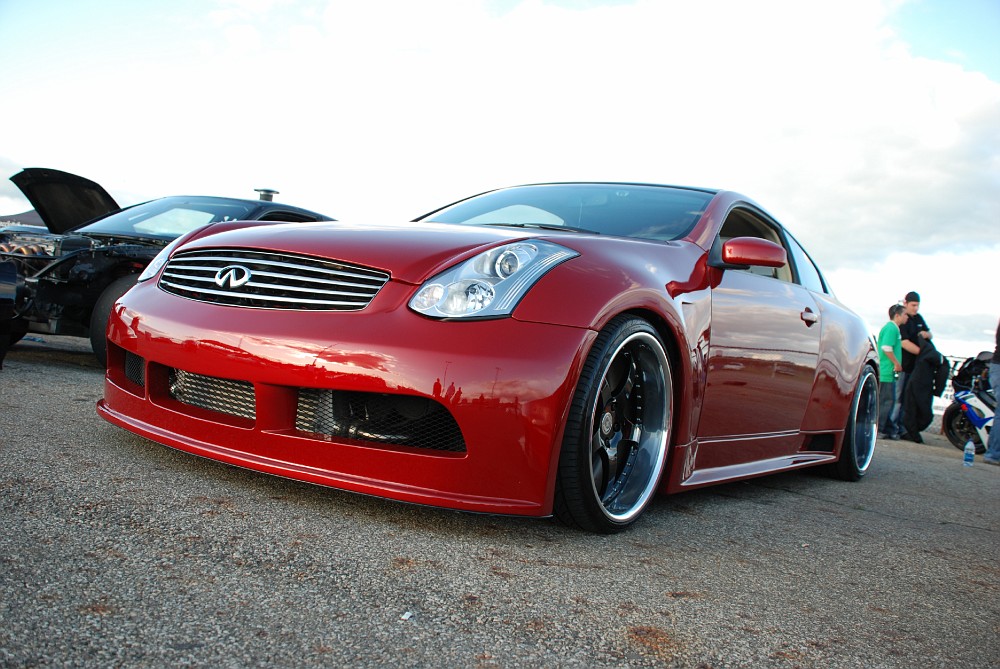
63, 279
566, 349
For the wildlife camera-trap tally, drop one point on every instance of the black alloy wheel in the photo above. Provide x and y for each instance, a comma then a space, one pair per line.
618, 432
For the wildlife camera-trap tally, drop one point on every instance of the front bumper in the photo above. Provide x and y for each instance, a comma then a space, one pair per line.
506, 385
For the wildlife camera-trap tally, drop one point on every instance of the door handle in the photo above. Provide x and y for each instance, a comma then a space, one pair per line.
808, 317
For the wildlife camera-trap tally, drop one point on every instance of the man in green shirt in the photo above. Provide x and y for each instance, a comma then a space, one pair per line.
890, 353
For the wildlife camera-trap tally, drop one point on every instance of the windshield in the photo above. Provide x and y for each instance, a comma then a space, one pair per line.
170, 217
625, 210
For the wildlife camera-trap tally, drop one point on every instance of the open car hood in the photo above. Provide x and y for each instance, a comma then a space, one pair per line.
63, 200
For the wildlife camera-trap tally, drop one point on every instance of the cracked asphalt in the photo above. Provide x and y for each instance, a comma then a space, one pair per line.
116, 551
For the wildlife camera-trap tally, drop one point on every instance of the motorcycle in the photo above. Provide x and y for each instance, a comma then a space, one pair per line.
970, 415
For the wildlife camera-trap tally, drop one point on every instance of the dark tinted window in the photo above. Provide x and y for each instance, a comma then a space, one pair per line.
745, 223
808, 275
625, 210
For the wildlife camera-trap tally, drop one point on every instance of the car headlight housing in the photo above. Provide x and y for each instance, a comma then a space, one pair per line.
158, 261
490, 284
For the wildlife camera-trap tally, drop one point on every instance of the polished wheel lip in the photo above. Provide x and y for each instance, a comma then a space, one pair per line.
650, 441
865, 426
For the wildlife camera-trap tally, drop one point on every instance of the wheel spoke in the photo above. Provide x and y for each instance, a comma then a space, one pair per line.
626, 451
618, 434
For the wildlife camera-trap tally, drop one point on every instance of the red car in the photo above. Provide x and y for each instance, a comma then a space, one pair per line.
565, 349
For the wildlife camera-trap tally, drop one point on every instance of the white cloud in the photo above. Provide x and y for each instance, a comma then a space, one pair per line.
957, 293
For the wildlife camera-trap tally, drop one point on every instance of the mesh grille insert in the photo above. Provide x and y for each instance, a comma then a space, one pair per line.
399, 420
235, 398
135, 369
262, 279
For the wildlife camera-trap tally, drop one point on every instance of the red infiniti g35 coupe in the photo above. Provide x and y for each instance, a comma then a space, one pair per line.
565, 348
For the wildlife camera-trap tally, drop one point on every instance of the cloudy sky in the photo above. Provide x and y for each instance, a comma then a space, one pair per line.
871, 128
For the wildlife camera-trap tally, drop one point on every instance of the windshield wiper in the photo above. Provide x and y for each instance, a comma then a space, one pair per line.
544, 226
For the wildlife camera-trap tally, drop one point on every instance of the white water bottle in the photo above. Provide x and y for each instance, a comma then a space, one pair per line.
970, 453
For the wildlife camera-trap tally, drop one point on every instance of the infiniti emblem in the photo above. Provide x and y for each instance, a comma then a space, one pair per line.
233, 276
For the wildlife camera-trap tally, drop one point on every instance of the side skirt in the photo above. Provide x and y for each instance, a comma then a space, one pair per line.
683, 473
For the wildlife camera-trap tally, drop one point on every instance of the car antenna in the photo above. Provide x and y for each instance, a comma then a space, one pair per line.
266, 194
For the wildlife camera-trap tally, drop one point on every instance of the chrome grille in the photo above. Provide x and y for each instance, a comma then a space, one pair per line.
399, 420
235, 398
268, 280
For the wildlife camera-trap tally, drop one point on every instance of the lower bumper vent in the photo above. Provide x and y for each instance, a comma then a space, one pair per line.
399, 420
135, 369
235, 398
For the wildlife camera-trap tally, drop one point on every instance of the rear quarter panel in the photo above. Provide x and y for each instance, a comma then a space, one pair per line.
845, 348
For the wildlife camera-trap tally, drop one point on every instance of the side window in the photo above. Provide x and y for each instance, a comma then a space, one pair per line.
743, 223
809, 276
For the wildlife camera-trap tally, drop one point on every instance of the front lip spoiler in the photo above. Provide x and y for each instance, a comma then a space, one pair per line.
382, 489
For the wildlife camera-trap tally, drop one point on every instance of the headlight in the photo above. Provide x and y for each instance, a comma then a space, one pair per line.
491, 284
158, 261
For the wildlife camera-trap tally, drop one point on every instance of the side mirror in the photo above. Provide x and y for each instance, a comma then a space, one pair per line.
744, 252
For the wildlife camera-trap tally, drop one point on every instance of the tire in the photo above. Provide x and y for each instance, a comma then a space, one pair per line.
102, 311
959, 430
618, 430
862, 429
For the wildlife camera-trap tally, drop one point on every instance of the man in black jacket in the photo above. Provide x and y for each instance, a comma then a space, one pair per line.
922, 384
915, 334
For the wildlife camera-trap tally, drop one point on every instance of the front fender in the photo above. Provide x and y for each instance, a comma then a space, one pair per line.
668, 286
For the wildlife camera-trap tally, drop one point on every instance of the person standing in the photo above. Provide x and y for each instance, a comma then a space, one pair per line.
890, 351
992, 455
914, 332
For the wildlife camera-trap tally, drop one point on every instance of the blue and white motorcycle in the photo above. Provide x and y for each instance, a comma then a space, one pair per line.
970, 415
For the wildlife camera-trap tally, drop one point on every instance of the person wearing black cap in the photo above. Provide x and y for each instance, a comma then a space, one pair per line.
916, 335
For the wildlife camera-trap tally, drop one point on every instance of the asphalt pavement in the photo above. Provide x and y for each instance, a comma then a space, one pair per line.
117, 551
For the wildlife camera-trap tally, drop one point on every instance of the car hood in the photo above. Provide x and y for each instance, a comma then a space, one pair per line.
410, 252
63, 200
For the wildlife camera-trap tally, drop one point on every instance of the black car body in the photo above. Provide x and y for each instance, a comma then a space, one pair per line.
63, 279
